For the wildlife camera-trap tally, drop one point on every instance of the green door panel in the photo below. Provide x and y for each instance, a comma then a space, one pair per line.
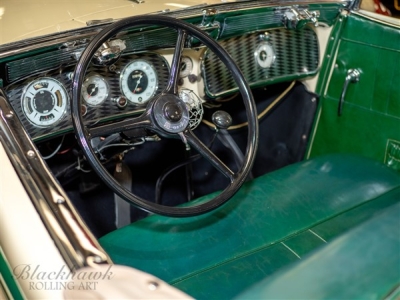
357, 131
371, 107
267, 212
343, 269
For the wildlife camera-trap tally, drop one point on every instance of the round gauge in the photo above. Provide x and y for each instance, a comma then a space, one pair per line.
265, 55
138, 81
186, 66
44, 101
94, 90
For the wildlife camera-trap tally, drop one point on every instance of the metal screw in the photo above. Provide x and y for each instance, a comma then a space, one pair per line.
31, 153
304, 137
60, 200
153, 285
9, 115
97, 259
313, 99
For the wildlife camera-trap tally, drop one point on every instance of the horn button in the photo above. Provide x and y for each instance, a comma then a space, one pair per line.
171, 113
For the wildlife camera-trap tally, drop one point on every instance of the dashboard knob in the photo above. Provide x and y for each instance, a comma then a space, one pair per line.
221, 119
121, 102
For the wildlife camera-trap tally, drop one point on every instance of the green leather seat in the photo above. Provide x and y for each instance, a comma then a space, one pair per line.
273, 221
363, 263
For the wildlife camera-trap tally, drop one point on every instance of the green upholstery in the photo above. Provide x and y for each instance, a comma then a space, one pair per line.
363, 263
271, 222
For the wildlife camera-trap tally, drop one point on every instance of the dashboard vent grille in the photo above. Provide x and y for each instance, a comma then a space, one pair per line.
296, 56
20, 68
154, 39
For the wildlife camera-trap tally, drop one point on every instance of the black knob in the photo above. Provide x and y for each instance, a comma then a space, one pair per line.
221, 119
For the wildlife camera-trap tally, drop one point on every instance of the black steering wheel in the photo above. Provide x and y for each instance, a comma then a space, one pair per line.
166, 114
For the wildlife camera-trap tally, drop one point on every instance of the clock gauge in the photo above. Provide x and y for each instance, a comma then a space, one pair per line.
265, 55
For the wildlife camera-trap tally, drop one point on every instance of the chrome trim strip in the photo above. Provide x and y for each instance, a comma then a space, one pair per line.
4, 290
74, 240
364, 14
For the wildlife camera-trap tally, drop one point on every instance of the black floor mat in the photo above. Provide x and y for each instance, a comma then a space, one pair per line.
284, 132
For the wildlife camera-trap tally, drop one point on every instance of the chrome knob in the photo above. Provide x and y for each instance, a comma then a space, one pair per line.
221, 119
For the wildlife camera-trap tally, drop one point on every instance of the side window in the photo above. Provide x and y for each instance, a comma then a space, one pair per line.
389, 8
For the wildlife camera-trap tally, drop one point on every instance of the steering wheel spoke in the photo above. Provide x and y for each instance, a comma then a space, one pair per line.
172, 86
142, 121
208, 154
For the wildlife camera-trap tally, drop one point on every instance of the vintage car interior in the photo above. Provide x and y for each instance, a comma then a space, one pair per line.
245, 149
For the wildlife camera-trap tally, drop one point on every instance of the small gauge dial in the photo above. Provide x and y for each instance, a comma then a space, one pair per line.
265, 55
95, 90
44, 101
138, 81
186, 67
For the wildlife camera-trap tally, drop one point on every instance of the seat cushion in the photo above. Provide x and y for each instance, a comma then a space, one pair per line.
252, 235
363, 263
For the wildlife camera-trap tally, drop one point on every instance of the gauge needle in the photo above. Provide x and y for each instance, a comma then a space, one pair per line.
92, 91
137, 83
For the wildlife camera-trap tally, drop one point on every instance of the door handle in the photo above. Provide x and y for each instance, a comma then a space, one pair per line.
353, 76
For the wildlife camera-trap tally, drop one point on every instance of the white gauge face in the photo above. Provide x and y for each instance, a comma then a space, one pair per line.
139, 81
186, 66
265, 55
44, 101
94, 90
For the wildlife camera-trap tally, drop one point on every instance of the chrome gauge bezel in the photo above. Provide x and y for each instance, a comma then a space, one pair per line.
56, 96
95, 97
142, 67
265, 55
186, 67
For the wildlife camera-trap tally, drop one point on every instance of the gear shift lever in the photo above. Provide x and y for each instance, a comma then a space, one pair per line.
222, 120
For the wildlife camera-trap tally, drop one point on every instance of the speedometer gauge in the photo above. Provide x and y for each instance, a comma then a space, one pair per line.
138, 81
44, 101
94, 90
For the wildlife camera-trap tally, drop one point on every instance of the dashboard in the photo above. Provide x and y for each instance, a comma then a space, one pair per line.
39, 84
43, 101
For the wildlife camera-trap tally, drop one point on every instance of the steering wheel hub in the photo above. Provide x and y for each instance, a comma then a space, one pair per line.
171, 113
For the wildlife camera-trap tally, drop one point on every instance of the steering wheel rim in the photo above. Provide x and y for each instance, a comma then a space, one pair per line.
83, 136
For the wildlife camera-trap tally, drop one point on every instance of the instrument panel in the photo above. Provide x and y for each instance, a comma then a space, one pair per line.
122, 89
42, 102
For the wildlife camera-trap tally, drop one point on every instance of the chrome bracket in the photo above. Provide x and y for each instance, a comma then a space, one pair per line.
295, 17
353, 76
109, 52
209, 16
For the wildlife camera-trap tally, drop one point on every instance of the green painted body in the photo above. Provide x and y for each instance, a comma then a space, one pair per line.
9, 279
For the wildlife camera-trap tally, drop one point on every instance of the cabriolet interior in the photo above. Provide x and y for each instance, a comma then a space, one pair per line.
245, 149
